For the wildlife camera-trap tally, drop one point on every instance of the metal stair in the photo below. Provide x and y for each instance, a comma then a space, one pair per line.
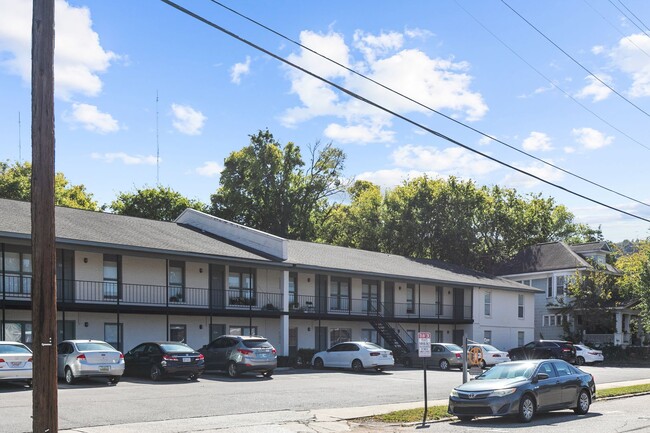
391, 338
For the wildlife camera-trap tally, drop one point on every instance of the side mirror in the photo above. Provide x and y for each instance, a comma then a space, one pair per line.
540, 376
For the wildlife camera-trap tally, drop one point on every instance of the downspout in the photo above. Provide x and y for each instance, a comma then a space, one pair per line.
119, 295
4, 292
167, 297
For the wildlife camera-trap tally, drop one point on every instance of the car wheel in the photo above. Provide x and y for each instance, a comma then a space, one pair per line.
318, 364
483, 364
268, 373
526, 408
443, 364
69, 376
583, 403
357, 365
407, 362
193, 377
465, 418
114, 380
580, 360
155, 373
232, 369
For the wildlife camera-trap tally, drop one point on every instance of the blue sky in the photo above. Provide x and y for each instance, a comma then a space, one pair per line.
113, 57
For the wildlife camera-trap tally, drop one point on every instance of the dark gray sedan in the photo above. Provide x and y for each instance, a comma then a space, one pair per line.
523, 388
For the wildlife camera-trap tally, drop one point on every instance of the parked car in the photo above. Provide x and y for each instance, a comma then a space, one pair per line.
356, 355
88, 358
490, 355
545, 349
236, 354
15, 362
166, 358
443, 355
587, 355
523, 388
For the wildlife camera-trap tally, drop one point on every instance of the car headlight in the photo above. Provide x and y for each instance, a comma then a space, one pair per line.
502, 392
454, 393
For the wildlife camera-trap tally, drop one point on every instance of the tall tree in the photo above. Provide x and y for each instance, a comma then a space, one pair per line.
159, 203
635, 281
269, 187
16, 184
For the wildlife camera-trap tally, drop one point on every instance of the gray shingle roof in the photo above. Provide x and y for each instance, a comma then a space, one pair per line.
591, 247
545, 257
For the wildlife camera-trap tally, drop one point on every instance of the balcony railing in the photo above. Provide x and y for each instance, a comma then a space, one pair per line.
112, 293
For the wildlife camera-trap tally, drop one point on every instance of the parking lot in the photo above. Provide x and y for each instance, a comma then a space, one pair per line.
92, 403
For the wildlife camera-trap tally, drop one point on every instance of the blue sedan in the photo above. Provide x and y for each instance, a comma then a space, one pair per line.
523, 388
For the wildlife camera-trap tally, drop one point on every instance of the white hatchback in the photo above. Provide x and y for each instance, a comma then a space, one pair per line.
490, 355
357, 355
15, 362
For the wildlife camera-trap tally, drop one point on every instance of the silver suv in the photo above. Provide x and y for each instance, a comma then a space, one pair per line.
236, 354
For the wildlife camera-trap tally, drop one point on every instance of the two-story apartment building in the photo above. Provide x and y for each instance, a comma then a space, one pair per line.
125, 280
549, 267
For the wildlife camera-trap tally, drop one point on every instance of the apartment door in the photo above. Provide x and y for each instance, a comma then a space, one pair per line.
459, 303
389, 299
458, 336
321, 294
217, 293
321, 338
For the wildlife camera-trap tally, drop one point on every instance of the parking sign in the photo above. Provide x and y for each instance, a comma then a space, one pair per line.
424, 344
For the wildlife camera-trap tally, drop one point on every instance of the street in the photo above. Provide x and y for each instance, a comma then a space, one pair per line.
135, 400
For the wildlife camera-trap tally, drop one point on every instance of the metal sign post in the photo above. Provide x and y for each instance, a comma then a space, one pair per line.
424, 351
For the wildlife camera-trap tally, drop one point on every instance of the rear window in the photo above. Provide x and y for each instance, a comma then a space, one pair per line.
84, 347
489, 348
178, 347
13, 348
373, 346
257, 344
454, 348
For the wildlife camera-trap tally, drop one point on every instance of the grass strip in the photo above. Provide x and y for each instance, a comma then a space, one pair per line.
438, 412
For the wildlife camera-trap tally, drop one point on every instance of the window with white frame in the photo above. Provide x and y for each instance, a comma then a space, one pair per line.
340, 294
293, 290
487, 303
371, 336
439, 337
243, 330
111, 276
553, 320
340, 335
520, 307
17, 270
520, 338
560, 285
176, 281
241, 287
487, 337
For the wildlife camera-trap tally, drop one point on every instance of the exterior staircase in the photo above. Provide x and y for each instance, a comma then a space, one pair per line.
391, 338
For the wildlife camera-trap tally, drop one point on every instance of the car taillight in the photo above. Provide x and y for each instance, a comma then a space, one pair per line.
244, 351
2, 360
374, 353
169, 358
201, 357
82, 357
121, 356
496, 355
593, 353
274, 351
566, 350
458, 355
29, 360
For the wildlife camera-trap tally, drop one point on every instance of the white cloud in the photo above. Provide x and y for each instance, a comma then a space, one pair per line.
438, 83
240, 69
485, 140
569, 149
187, 120
392, 177
629, 56
360, 134
539, 169
125, 158
595, 89
537, 141
597, 49
209, 169
450, 160
418, 33
91, 119
79, 57
590, 138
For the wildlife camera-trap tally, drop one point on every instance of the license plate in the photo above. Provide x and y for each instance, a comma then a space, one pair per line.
104, 368
187, 359
384, 355
15, 364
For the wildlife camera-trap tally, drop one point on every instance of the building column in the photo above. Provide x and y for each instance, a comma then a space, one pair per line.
284, 318
618, 337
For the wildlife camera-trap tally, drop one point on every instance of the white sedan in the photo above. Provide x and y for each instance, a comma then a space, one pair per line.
15, 362
356, 355
586, 355
490, 355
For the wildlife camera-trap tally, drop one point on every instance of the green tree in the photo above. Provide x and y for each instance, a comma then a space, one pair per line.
16, 184
159, 203
635, 282
269, 187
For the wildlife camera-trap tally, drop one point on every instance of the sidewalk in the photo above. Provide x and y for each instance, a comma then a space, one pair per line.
287, 421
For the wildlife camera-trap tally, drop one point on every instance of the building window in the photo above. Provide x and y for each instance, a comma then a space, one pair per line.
113, 335
217, 330
525, 282
520, 308
17, 269
340, 294
549, 287
178, 333
553, 320
371, 336
340, 335
18, 331
410, 299
66, 330
439, 338
487, 337
111, 276
488, 304
293, 289
176, 281
369, 295
241, 287
520, 338
561, 284
439, 298
243, 330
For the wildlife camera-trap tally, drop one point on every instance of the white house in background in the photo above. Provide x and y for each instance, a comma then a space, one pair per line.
126, 280
548, 267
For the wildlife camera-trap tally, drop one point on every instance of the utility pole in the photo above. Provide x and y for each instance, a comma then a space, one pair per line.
44, 396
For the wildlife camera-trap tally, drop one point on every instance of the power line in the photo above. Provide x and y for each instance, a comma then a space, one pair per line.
574, 60
440, 113
626, 16
387, 110
633, 14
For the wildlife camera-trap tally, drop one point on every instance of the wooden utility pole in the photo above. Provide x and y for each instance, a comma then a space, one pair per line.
45, 401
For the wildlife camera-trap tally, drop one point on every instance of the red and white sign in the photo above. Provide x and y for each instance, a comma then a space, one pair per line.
424, 344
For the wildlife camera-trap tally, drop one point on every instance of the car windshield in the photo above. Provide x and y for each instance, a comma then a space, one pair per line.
84, 347
453, 348
489, 348
508, 371
373, 346
259, 344
13, 348
176, 347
